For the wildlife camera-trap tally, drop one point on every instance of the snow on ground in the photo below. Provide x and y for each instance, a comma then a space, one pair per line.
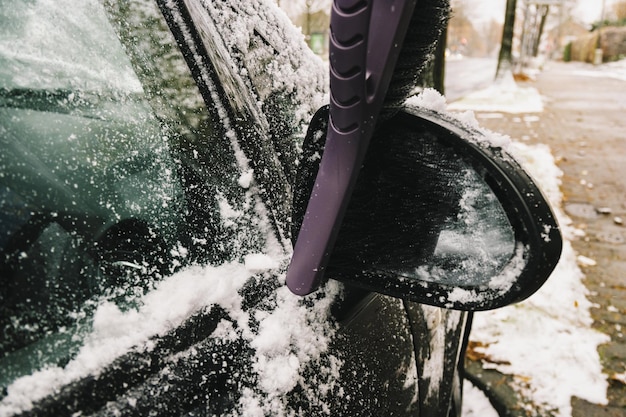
547, 341
475, 403
503, 96
615, 70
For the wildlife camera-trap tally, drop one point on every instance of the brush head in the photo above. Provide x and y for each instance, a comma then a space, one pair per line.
401, 199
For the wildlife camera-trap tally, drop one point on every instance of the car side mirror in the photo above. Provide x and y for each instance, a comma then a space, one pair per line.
438, 216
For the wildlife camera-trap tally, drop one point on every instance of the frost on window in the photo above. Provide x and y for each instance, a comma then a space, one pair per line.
42, 46
477, 243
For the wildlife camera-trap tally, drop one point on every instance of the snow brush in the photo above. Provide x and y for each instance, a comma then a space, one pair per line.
365, 41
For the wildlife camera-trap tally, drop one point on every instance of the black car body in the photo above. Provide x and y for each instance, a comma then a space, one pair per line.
148, 153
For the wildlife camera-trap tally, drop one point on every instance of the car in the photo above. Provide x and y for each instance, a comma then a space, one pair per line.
151, 150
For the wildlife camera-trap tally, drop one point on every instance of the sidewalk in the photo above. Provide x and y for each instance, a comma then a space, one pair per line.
584, 124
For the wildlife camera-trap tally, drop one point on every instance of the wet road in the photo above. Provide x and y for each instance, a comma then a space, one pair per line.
589, 138
584, 123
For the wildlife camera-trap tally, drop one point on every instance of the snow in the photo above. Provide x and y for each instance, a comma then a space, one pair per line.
245, 180
47, 61
293, 66
283, 345
475, 403
547, 341
615, 70
433, 100
288, 338
503, 95
429, 99
259, 262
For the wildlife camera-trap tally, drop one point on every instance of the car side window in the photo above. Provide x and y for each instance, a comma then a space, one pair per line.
113, 171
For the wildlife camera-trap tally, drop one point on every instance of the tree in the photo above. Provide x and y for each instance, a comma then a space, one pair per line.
535, 16
505, 58
619, 9
303, 12
543, 11
434, 74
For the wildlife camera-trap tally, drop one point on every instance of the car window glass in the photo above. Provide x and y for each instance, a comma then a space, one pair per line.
45, 47
113, 171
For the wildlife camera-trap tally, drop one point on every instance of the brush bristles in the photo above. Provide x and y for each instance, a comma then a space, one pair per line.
402, 199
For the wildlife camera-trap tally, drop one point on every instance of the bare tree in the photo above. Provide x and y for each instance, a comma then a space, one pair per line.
505, 58
619, 9
301, 11
543, 11
535, 16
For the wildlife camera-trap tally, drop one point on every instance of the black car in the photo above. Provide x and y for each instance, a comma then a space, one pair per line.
149, 156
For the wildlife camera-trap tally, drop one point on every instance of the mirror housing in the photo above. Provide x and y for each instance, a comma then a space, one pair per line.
438, 216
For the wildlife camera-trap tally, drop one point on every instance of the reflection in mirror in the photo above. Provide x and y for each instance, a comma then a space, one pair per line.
476, 244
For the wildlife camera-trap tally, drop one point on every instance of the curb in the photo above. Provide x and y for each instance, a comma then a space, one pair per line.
498, 388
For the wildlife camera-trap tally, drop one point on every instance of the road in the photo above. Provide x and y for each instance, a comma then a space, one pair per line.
588, 138
583, 123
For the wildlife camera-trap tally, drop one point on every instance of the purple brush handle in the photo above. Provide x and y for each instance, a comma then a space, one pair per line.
364, 44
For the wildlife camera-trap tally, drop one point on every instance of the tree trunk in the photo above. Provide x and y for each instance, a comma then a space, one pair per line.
544, 15
505, 58
439, 66
434, 73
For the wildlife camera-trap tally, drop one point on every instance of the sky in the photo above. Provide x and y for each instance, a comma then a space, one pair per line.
590, 10
587, 11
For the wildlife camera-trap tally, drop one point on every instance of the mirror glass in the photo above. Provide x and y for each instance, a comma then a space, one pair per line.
438, 216
476, 243
422, 210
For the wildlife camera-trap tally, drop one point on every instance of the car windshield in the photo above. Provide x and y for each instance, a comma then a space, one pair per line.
113, 171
